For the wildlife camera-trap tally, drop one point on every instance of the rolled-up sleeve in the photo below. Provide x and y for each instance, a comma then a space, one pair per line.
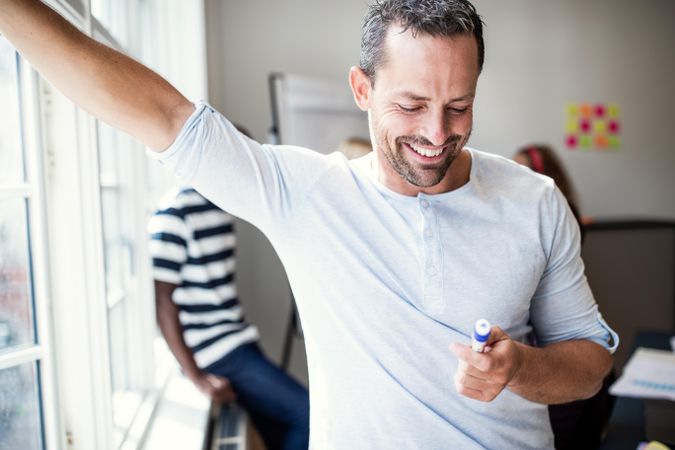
563, 307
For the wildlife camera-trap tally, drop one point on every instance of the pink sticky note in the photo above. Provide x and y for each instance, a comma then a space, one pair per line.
600, 110
614, 126
572, 142
585, 125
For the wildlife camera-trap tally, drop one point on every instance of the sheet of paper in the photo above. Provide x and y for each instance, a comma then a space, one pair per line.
649, 374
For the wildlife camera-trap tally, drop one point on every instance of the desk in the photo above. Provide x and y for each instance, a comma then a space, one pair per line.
627, 424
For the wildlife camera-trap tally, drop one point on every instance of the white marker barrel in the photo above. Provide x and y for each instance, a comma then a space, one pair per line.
480, 335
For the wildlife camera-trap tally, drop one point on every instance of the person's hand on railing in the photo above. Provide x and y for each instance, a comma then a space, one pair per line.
215, 387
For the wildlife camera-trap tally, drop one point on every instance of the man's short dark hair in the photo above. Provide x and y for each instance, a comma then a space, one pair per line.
433, 17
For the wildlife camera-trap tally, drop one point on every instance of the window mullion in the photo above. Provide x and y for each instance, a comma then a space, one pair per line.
21, 356
33, 145
19, 190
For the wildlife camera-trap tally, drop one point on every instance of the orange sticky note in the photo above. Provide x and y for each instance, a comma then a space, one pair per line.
601, 141
586, 110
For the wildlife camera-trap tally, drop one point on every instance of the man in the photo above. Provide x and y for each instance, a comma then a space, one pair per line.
193, 250
392, 257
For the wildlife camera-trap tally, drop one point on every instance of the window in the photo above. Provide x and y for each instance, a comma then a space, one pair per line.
114, 17
117, 152
96, 313
20, 353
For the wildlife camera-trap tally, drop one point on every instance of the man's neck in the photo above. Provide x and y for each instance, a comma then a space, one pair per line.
458, 175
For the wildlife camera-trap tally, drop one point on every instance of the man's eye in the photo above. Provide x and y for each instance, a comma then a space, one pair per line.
409, 109
459, 110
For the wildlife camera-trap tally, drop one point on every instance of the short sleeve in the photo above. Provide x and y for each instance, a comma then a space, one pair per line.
262, 184
563, 307
168, 246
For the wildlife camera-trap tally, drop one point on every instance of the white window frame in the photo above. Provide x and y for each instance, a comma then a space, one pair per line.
40, 353
90, 425
68, 277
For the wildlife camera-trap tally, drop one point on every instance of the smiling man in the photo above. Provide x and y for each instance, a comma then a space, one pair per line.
393, 256
421, 112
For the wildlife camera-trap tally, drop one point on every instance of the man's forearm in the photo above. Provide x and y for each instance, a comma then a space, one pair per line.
561, 372
169, 324
108, 84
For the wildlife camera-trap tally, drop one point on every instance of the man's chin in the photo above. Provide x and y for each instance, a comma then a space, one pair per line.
423, 177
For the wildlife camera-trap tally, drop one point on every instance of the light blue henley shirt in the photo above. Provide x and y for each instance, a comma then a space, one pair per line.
385, 282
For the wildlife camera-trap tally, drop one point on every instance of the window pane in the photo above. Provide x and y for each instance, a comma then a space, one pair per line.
20, 425
114, 249
117, 220
113, 16
78, 5
16, 314
125, 399
108, 154
11, 169
118, 345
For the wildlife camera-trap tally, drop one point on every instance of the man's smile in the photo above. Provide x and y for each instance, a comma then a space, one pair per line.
425, 151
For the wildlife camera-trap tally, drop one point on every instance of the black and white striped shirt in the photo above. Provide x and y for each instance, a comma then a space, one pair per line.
192, 244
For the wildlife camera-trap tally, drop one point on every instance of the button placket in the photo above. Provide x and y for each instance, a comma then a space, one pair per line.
433, 282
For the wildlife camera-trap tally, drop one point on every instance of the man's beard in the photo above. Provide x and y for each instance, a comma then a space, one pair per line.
421, 176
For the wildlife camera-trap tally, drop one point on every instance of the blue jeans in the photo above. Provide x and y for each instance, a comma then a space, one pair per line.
277, 404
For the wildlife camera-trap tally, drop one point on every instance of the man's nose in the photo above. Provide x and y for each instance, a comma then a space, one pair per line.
436, 128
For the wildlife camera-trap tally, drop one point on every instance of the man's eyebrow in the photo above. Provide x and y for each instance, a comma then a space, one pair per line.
420, 98
412, 96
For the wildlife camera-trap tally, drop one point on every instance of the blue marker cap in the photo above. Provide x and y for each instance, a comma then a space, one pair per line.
481, 331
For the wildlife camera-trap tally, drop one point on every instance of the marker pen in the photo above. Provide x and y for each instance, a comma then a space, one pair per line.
480, 335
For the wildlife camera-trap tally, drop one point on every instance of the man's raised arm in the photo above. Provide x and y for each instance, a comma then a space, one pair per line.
106, 83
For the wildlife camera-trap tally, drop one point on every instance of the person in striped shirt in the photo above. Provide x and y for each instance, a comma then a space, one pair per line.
193, 251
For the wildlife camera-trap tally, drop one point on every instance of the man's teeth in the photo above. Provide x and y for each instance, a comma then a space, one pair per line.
426, 152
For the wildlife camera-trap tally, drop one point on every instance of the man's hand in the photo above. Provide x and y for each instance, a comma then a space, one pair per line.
483, 376
215, 387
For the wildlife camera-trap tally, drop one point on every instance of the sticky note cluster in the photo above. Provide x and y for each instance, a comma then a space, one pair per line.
592, 126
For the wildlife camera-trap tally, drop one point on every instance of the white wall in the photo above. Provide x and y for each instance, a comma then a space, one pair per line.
541, 54
249, 39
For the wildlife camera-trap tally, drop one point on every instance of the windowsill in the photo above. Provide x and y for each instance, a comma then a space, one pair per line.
181, 417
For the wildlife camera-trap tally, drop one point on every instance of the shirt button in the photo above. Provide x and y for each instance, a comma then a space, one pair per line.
432, 271
428, 232
424, 203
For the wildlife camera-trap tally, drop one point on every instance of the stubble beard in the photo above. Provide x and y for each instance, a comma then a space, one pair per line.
418, 175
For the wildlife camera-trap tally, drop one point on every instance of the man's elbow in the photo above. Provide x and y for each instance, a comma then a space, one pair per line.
592, 390
174, 116
603, 365
606, 362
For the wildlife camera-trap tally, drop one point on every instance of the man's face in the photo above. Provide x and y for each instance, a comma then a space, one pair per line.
420, 110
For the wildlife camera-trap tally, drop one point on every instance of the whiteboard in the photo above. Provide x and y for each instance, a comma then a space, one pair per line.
314, 113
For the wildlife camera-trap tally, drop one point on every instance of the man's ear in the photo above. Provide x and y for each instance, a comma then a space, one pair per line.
361, 88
